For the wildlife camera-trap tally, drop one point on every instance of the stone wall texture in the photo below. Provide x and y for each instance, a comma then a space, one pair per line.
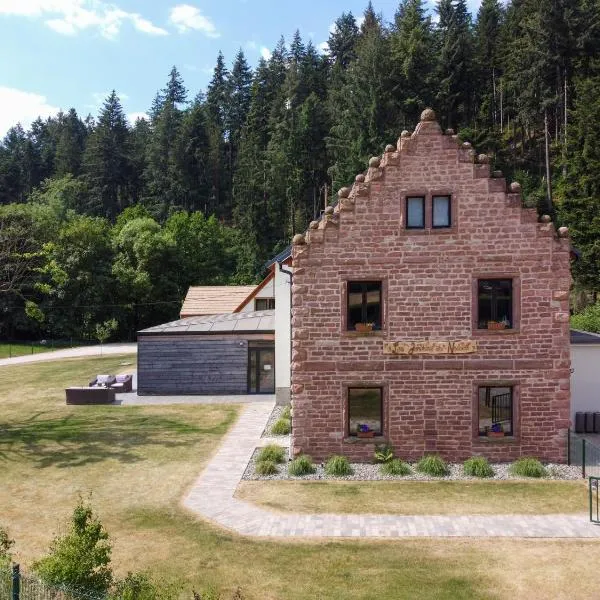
428, 294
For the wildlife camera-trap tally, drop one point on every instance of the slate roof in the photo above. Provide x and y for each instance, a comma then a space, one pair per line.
584, 337
262, 321
214, 299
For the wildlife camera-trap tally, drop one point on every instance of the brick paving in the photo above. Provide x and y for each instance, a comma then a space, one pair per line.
212, 498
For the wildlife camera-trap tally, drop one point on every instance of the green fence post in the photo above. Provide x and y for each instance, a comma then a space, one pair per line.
583, 456
16, 582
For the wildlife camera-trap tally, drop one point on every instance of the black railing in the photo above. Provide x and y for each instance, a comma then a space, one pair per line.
583, 453
502, 408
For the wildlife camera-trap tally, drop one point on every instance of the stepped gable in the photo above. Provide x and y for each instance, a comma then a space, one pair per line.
429, 142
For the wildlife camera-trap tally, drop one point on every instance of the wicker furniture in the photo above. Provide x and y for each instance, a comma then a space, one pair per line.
90, 395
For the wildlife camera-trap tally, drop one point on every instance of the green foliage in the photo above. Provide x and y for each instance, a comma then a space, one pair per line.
588, 319
287, 412
301, 465
338, 466
105, 330
272, 452
395, 467
528, 467
266, 467
5, 545
478, 466
433, 465
80, 559
281, 427
139, 586
383, 453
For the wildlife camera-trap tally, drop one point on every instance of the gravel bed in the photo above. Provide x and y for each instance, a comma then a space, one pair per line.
277, 411
369, 472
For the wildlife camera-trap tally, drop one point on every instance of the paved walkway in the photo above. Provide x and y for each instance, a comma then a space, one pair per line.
212, 497
107, 349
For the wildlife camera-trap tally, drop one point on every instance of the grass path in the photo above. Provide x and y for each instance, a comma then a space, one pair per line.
418, 497
138, 461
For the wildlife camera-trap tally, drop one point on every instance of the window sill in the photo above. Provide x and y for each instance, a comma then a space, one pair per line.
352, 333
507, 439
376, 439
484, 332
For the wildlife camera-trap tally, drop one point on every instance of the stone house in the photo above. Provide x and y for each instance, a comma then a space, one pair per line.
462, 298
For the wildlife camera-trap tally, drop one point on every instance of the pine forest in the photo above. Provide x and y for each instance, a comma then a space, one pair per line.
105, 224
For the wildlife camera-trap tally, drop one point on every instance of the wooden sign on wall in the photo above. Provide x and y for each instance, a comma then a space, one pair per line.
430, 347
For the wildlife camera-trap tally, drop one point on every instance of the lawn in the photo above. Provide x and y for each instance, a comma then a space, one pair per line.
138, 461
419, 497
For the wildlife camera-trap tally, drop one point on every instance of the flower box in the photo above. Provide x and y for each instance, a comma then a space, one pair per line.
363, 327
365, 434
496, 325
495, 434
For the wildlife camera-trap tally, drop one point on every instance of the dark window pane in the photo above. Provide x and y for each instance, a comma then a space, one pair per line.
415, 213
364, 408
441, 211
495, 304
264, 304
364, 303
496, 410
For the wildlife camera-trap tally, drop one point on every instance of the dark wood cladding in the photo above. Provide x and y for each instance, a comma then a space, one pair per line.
192, 366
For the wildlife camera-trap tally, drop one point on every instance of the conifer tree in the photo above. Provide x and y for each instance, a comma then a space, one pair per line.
107, 161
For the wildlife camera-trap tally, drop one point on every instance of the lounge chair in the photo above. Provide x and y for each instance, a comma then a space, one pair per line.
103, 381
123, 384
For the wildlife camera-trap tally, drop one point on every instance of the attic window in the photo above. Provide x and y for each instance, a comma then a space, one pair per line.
264, 303
415, 212
441, 212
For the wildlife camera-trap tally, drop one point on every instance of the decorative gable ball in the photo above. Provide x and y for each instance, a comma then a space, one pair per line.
428, 115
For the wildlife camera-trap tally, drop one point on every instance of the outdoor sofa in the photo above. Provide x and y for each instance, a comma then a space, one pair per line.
90, 395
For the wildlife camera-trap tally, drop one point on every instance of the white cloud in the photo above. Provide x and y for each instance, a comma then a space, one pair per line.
186, 17
332, 28
266, 53
23, 107
134, 116
69, 17
323, 48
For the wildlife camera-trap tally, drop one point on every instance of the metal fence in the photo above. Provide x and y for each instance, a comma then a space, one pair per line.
12, 348
15, 585
584, 454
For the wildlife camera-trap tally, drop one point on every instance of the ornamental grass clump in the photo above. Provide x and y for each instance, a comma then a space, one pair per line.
286, 413
383, 453
272, 452
478, 466
528, 467
302, 465
395, 467
338, 466
266, 467
281, 427
433, 465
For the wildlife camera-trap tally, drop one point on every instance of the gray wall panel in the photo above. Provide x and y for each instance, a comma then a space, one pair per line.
192, 366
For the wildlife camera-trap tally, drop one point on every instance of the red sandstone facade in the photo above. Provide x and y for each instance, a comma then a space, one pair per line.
429, 288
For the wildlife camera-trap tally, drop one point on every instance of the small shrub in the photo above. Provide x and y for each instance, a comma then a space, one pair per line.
287, 412
138, 586
383, 453
281, 427
478, 466
433, 465
528, 467
266, 467
79, 559
5, 546
395, 467
272, 452
302, 465
338, 466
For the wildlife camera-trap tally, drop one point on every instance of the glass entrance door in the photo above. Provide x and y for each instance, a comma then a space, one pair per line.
261, 371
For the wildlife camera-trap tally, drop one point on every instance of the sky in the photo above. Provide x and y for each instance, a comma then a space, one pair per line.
58, 54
